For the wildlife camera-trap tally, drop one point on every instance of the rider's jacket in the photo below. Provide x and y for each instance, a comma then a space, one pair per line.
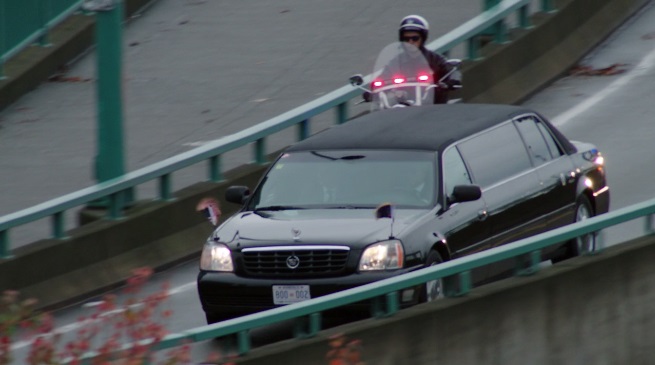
439, 68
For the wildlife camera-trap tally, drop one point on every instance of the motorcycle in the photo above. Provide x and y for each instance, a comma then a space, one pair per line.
402, 77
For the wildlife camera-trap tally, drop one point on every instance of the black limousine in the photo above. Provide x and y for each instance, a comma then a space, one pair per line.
455, 179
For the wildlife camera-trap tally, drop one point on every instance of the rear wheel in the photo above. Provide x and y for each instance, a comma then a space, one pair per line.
585, 243
432, 290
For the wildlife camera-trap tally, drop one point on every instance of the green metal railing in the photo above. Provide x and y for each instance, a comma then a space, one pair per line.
115, 190
27, 22
384, 294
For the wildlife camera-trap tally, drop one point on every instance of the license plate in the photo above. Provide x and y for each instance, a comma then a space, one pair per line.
287, 294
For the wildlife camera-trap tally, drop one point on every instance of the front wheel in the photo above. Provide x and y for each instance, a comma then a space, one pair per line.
434, 289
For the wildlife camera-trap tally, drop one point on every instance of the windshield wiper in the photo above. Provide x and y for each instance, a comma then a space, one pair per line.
347, 158
278, 208
350, 207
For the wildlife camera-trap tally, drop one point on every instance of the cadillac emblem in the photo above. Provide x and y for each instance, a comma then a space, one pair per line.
293, 262
296, 234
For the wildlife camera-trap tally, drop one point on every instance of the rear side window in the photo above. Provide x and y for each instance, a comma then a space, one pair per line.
495, 155
553, 147
534, 141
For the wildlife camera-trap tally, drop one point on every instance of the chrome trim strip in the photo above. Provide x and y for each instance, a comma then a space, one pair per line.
293, 248
602, 191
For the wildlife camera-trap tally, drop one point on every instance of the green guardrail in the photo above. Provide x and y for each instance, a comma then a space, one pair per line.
27, 22
116, 191
383, 294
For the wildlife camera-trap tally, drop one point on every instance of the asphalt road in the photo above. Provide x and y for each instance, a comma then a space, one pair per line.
613, 108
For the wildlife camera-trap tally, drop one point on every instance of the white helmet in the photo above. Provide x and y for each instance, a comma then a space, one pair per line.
414, 23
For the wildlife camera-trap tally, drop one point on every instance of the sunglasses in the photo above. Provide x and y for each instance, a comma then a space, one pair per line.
414, 38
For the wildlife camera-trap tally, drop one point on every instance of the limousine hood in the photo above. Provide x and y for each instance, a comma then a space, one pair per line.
352, 227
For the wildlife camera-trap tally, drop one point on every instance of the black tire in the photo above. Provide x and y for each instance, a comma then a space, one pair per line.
432, 290
586, 243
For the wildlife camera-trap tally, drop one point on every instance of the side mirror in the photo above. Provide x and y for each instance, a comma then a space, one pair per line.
356, 80
237, 194
465, 193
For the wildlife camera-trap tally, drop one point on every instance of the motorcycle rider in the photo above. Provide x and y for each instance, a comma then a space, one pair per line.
414, 30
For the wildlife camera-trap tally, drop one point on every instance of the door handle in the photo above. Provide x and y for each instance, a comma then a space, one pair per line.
482, 215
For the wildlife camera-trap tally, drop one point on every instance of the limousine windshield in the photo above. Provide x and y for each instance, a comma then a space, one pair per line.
348, 179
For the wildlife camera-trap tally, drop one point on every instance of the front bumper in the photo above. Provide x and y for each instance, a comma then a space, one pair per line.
229, 294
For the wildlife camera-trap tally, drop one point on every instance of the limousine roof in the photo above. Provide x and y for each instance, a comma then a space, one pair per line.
430, 127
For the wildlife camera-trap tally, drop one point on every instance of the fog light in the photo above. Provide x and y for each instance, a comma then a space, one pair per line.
408, 295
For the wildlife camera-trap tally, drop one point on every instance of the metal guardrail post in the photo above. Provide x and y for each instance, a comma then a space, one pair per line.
308, 326
648, 224
530, 266
58, 225
243, 342
473, 45
165, 187
457, 285
524, 18
599, 242
215, 172
303, 130
116, 205
500, 32
342, 113
386, 305
4, 245
260, 151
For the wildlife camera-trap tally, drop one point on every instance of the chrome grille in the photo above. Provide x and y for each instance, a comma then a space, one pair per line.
312, 260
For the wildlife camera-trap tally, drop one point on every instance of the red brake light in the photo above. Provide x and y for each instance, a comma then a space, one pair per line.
378, 83
398, 80
423, 77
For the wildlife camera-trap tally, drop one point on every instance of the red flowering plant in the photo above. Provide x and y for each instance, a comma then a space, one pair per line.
135, 321
17, 315
344, 352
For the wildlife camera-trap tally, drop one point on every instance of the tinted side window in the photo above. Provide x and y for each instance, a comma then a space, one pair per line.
495, 155
454, 171
534, 141
554, 148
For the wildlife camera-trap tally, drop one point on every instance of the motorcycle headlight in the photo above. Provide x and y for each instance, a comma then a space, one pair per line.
216, 257
382, 256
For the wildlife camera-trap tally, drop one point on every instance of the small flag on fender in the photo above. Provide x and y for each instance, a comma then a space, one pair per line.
210, 208
384, 210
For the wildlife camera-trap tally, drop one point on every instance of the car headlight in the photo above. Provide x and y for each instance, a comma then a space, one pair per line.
382, 256
216, 257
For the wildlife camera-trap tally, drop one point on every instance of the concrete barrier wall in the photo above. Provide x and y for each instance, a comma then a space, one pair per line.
588, 310
156, 234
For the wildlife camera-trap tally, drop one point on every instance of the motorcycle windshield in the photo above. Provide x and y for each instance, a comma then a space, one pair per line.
401, 77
